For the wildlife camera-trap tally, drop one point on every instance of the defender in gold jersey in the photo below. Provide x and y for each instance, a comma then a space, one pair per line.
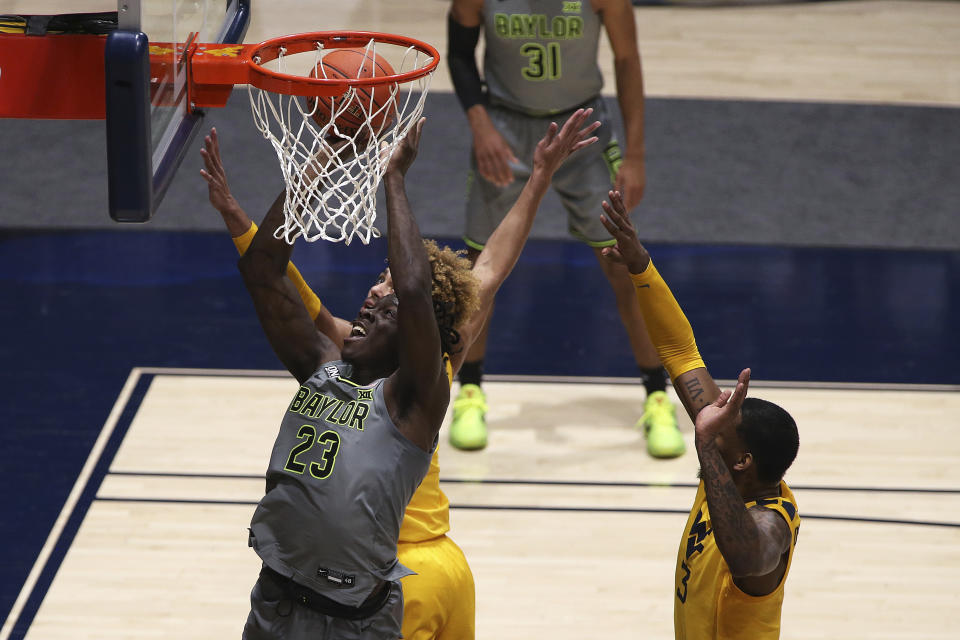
738, 543
439, 600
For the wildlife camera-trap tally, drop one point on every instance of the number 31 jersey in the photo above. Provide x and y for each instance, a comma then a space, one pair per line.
340, 476
541, 55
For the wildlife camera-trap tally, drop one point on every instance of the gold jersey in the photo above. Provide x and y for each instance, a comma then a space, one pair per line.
707, 604
428, 512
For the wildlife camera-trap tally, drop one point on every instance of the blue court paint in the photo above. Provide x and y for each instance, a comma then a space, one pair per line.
78, 511
81, 309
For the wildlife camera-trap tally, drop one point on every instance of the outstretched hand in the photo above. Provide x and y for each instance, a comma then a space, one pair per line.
724, 411
406, 152
560, 142
217, 188
628, 250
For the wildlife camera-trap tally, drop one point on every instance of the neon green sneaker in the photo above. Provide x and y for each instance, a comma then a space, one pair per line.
659, 423
468, 430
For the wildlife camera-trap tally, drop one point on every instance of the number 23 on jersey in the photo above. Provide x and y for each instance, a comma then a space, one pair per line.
327, 442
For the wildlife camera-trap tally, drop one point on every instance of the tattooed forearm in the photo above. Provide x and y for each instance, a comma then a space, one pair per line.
694, 389
692, 392
735, 531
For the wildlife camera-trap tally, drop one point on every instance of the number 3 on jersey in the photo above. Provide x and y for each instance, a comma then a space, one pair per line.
329, 441
544, 61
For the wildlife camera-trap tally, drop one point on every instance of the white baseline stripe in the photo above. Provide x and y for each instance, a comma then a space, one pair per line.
769, 384
766, 384
71, 502
181, 371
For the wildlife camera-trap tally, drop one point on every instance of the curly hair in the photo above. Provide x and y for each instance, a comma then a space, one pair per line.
456, 291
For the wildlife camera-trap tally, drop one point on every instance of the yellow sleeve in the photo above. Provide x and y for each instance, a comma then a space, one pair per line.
310, 299
670, 331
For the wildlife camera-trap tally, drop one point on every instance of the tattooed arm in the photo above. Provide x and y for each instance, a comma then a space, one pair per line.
752, 541
696, 389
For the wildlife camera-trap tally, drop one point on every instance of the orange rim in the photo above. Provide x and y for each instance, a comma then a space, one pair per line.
302, 85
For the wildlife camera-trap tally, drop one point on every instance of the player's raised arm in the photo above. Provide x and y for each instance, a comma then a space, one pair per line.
502, 250
417, 393
283, 316
752, 541
669, 329
242, 229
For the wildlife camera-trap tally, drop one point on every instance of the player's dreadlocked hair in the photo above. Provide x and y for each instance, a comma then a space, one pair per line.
455, 291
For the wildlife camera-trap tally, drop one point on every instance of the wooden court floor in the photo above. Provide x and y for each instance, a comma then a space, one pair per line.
570, 528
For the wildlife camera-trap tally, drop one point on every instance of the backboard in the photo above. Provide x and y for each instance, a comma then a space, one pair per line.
150, 126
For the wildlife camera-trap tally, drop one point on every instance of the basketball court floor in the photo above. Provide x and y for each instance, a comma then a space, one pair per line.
141, 406
571, 530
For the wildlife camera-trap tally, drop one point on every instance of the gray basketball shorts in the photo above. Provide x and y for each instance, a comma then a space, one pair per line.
582, 182
275, 617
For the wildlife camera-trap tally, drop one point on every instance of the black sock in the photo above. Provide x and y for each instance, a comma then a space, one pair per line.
653, 379
471, 373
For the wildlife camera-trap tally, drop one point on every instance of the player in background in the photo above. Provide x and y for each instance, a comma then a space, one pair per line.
540, 62
439, 600
739, 540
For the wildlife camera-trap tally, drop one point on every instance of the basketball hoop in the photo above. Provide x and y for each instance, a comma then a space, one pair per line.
333, 122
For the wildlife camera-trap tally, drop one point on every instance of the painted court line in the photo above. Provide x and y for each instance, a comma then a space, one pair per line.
560, 483
555, 509
72, 499
766, 384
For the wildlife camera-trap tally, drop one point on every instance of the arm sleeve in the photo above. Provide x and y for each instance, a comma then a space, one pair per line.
310, 299
670, 331
461, 58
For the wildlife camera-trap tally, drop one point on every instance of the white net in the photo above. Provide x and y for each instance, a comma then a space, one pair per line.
333, 151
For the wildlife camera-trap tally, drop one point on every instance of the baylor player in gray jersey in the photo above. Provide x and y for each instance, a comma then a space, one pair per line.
439, 599
357, 438
540, 62
336, 423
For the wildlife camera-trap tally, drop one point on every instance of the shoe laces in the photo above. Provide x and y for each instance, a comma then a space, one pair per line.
658, 411
470, 399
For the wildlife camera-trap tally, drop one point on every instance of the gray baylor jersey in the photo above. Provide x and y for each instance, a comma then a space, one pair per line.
541, 55
339, 480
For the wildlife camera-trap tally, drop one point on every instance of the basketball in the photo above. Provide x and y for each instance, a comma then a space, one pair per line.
352, 63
